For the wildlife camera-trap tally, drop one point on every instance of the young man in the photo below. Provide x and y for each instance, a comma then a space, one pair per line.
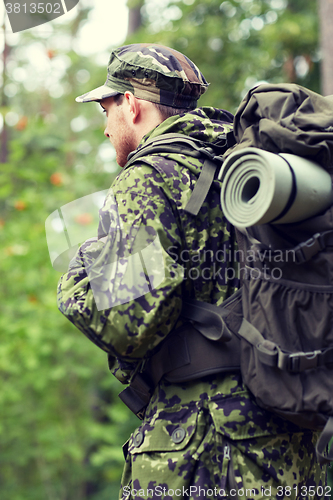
201, 436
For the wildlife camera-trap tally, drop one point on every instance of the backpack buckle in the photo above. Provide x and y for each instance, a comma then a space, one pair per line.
301, 361
308, 249
209, 152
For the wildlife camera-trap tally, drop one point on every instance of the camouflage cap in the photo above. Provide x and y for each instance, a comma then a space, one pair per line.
151, 72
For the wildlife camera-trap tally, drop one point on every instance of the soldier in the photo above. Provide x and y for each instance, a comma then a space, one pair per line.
201, 435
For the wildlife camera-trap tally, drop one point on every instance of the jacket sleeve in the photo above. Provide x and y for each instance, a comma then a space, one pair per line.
123, 289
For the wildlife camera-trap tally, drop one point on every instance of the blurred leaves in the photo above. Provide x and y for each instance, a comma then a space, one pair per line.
61, 436
238, 43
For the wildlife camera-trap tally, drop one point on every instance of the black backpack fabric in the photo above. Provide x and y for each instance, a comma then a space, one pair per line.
286, 118
283, 314
287, 269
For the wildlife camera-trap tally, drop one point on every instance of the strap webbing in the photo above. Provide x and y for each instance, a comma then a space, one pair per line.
250, 333
137, 395
272, 355
306, 250
303, 252
201, 188
178, 143
174, 143
208, 319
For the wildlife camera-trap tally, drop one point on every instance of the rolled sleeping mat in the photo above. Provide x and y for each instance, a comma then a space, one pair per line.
260, 187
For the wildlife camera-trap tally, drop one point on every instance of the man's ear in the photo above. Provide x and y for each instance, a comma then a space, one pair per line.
133, 106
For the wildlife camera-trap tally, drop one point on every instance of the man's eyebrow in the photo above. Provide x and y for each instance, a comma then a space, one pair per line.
101, 105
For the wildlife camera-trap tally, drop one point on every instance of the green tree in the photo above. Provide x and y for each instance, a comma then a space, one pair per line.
62, 424
326, 19
238, 43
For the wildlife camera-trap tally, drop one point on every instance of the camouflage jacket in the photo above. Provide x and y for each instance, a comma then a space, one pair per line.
124, 289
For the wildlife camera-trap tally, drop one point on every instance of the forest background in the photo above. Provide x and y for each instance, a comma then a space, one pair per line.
61, 423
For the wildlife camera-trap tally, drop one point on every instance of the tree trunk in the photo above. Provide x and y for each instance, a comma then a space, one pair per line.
134, 17
3, 102
326, 27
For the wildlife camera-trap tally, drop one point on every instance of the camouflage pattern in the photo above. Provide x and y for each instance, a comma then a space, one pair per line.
142, 197
154, 73
206, 433
218, 446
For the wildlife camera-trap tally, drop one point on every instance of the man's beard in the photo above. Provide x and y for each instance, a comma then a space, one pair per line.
125, 144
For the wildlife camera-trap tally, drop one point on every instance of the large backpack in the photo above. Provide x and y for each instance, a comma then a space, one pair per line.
287, 287
282, 320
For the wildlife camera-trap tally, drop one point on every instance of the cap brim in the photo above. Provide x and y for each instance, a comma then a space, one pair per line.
97, 94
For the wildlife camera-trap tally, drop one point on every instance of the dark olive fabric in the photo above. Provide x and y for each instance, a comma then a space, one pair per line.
287, 269
286, 118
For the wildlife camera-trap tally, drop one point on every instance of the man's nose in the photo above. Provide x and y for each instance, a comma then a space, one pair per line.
106, 133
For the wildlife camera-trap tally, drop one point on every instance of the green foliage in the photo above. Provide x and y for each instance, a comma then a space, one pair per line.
62, 424
238, 43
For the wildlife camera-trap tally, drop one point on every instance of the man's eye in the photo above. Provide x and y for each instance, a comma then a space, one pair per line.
104, 110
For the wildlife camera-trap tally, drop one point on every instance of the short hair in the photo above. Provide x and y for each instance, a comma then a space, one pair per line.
118, 99
164, 111
167, 111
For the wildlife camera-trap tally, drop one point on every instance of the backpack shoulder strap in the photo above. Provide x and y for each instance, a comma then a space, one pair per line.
181, 144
